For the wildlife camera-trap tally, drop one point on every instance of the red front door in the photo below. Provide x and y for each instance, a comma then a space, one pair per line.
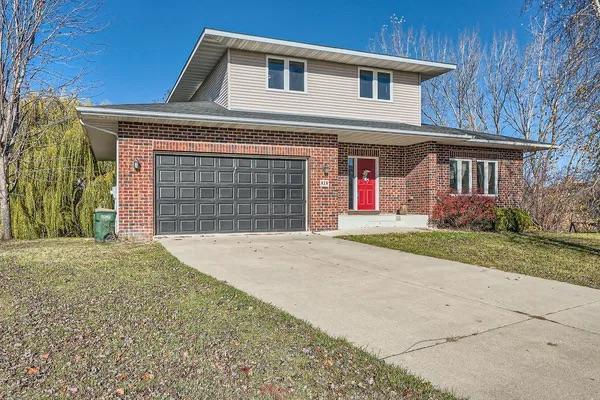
366, 187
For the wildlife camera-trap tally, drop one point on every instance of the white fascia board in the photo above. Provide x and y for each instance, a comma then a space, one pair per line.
92, 111
189, 60
539, 146
316, 47
111, 112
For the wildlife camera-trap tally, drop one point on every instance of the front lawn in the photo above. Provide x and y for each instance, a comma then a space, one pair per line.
86, 320
573, 258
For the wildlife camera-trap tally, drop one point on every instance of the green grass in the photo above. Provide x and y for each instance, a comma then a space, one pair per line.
86, 320
573, 258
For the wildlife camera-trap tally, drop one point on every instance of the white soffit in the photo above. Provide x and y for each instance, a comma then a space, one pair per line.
213, 44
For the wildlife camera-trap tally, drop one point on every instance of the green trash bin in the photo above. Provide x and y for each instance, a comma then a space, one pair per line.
104, 224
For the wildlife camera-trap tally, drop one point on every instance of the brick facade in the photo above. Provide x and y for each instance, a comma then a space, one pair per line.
409, 176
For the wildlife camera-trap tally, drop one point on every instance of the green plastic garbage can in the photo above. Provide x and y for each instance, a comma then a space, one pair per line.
104, 224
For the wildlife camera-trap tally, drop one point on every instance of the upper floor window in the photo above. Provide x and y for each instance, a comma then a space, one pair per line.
460, 176
286, 74
487, 177
374, 84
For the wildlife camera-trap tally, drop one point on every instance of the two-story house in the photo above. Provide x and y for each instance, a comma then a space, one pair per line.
262, 135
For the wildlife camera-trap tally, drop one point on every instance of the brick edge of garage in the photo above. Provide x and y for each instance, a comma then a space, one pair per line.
142, 141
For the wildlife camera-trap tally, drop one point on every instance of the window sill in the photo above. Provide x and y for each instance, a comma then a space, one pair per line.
286, 91
473, 194
376, 100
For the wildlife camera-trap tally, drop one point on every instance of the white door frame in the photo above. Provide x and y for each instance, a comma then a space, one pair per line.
355, 183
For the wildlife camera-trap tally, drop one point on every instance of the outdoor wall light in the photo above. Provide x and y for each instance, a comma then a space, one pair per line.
137, 165
326, 169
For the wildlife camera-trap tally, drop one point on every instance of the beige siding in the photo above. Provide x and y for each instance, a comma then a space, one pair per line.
215, 86
332, 90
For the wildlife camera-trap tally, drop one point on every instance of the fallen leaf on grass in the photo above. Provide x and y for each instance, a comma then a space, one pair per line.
120, 392
32, 370
276, 392
147, 376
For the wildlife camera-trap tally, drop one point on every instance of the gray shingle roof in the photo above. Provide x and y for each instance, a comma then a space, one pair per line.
210, 109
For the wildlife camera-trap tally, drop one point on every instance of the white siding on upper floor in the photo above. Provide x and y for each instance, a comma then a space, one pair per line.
332, 91
215, 86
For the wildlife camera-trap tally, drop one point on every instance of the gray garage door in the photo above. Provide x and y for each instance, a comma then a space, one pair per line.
208, 194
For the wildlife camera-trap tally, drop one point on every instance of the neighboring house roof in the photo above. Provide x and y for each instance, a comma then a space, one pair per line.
212, 44
102, 120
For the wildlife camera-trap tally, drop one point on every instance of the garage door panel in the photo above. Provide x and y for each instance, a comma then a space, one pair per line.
226, 225
187, 176
225, 209
207, 209
166, 210
207, 193
244, 225
261, 177
207, 162
225, 176
226, 193
188, 226
167, 193
296, 224
244, 163
207, 176
187, 210
296, 164
279, 164
261, 164
279, 178
261, 193
166, 160
166, 176
202, 194
244, 177
187, 161
296, 209
167, 227
187, 193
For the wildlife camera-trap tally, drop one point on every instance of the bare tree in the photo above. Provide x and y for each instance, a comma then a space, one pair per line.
545, 90
452, 99
499, 71
38, 47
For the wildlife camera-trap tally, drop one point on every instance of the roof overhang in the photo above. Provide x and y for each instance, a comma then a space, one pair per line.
212, 44
101, 125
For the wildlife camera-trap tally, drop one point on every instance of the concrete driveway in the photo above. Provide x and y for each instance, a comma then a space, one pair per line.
481, 333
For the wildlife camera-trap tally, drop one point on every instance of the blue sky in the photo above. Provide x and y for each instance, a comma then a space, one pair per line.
144, 47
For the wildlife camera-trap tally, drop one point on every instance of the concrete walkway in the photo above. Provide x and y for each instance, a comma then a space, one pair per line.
481, 333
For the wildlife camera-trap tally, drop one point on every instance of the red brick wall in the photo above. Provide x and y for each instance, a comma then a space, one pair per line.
414, 175
142, 141
510, 166
409, 176
392, 187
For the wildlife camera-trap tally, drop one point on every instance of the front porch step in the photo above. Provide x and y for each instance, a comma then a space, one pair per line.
346, 221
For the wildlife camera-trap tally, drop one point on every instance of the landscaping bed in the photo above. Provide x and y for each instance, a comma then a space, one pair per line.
573, 258
85, 320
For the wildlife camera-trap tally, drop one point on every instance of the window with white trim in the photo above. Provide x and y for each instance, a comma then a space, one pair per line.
286, 74
460, 176
487, 177
374, 84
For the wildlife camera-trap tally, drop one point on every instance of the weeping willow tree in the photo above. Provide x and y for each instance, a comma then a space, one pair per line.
60, 182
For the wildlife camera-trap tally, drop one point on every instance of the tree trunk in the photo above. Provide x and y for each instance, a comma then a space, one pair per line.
5, 234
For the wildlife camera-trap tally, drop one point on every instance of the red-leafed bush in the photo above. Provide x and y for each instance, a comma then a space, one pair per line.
465, 211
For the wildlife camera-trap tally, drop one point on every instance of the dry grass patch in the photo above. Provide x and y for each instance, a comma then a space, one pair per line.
86, 320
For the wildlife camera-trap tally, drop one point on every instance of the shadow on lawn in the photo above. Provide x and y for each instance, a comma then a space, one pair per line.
555, 242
